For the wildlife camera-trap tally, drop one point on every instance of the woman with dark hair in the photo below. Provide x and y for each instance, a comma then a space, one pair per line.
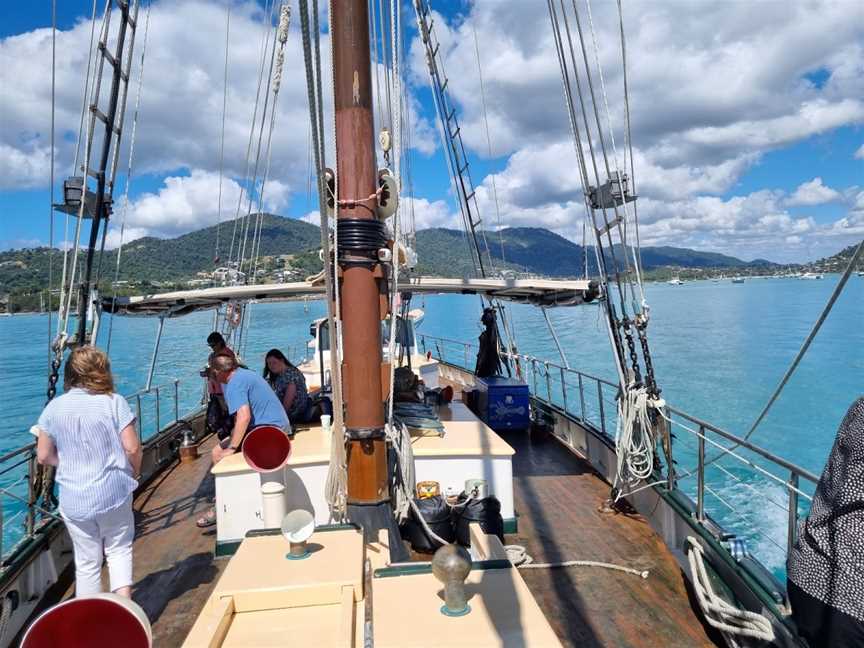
289, 384
89, 434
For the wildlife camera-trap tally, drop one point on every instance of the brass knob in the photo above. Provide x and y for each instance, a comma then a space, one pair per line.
451, 565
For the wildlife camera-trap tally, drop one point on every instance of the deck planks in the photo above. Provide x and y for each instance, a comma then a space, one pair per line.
557, 495
174, 569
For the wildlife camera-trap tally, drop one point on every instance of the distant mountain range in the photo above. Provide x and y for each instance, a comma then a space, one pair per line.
441, 252
539, 251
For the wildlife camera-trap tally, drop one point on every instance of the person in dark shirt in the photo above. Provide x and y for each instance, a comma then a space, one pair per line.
289, 384
218, 419
826, 565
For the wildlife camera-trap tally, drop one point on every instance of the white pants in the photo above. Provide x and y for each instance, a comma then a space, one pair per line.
111, 532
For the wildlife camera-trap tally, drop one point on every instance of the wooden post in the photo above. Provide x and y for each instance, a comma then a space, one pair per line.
362, 275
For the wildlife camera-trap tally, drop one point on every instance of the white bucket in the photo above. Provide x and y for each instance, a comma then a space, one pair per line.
274, 506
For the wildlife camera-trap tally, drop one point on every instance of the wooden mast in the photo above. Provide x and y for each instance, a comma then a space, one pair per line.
361, 289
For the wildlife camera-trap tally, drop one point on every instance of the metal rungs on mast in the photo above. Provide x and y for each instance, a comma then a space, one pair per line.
104, 129
456, 154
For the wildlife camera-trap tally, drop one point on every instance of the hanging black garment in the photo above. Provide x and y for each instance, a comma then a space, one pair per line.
488, 360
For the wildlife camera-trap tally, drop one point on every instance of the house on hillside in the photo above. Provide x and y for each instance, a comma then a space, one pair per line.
230, 275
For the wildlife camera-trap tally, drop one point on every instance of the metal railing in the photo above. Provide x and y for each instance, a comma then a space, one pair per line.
20, 515
593, 401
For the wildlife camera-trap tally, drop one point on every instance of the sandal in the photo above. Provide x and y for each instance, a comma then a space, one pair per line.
207, 520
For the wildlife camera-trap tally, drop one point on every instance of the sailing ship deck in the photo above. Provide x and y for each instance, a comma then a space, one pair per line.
557, 496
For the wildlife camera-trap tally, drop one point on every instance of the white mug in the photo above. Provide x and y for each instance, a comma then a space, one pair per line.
325, 421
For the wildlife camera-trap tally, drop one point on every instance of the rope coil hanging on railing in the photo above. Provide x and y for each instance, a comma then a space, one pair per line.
731, 621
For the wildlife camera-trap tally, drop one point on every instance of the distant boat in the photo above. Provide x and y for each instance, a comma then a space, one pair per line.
737, 279
675, 282
416, 315
811, 275
861, 273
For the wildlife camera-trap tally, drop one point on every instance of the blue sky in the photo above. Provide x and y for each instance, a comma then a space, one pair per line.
747, 124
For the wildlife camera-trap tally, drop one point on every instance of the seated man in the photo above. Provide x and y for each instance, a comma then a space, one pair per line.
251, 401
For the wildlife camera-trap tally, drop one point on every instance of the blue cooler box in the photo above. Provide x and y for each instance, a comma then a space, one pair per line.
503, 403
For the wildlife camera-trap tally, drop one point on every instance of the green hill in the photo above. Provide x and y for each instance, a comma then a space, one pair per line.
153, 259
441, 252
537, 250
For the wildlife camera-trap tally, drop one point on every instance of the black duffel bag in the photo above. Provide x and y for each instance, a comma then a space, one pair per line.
486, 511
436, 512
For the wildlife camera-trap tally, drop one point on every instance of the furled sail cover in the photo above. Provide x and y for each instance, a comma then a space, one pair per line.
542, 292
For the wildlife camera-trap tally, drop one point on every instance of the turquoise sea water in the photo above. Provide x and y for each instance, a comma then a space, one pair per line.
719, 350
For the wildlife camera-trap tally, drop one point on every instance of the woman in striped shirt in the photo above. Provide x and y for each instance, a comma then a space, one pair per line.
89, 434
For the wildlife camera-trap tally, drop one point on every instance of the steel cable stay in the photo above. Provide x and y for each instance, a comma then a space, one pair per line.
265, 38
336, 485
62, 311
618, 166
458, 163
638, 400
51, 179
78, 198
281, 38
236, 321
609, 310
253, 179
222, 137
128, 183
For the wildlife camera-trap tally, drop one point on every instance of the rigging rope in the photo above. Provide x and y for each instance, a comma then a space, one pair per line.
336, 485
51, 181
128, 177
222, 140
62, 312
628, 136
488, 138
634, 441
265, 39
731, 621
615, 156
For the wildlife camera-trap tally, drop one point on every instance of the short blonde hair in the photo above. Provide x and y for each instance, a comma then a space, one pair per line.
88, 368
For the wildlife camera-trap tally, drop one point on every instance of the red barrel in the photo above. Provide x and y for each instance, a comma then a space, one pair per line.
98, 620
266, 448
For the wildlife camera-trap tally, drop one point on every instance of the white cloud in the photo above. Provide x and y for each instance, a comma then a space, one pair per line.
427, 213
859, 154
812, 193
179, 125
713, 87
707, 82
182, 204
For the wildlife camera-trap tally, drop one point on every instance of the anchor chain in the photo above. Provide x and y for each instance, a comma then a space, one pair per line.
650, 381
634, 359
54, 377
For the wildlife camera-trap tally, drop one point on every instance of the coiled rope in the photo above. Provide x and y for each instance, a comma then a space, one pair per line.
731, 621
634, 441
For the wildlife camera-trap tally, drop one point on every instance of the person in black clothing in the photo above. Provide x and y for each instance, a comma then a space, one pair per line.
488, 360
218, 420
826, 565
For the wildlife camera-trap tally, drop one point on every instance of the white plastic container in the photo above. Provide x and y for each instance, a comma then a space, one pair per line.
273, 507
